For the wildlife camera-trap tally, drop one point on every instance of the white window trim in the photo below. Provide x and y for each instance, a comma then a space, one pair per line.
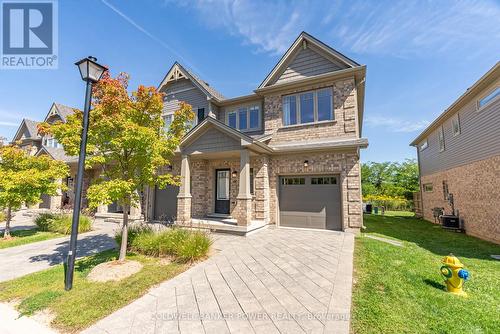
441, 139
247, 107
456, 118
315, 108
424, 145
480, 108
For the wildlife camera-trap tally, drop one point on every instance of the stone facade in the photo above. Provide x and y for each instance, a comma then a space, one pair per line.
343, 126
476, 191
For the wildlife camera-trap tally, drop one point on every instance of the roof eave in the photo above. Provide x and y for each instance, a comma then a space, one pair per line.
461, 101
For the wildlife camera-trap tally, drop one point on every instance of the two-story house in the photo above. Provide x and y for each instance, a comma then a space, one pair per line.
459, 154
287, 154
28, 138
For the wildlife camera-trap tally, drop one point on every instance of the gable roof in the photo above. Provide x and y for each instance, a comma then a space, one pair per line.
295, 47
210, 122
56, 154
62, 110
31, 127
177, 71
489, 77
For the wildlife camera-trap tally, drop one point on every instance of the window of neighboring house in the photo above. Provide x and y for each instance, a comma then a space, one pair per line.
308, 107
455, 125
251, 181
231, 119
167, 120
201, 114
441, 139
51, 142
424, 145
488, 98
245, 118
446, 192
428, 187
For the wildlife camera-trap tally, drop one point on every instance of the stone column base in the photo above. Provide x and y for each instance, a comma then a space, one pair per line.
184, 210
243, 211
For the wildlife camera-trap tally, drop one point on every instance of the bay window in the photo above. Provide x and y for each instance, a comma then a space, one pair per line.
244, 118
308, 107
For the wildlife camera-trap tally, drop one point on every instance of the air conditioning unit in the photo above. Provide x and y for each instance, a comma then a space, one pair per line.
450, 221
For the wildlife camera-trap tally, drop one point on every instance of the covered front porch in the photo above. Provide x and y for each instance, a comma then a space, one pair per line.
224, 178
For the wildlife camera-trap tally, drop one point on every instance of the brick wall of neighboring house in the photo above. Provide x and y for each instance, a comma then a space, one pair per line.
345, 164
345, 111
476, 191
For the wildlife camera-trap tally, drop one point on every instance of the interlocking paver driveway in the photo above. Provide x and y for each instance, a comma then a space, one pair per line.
273, 281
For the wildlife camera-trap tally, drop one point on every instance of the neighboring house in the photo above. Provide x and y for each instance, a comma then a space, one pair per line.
459, 154
287, 154
27, 137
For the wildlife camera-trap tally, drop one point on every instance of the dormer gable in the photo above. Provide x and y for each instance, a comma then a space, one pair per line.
58, 113
307, 57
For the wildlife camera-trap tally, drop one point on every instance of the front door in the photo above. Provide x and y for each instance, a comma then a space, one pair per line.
222, 191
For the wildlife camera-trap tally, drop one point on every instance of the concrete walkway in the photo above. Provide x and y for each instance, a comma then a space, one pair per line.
273, 281
21, 260
11, 323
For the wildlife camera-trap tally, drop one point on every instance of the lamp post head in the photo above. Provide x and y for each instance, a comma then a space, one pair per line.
90, 70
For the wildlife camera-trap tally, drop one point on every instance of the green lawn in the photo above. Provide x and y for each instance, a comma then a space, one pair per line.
22, 237
401, 290
88, 301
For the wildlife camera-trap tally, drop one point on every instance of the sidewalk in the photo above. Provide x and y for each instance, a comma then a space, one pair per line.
12, 324
38, 256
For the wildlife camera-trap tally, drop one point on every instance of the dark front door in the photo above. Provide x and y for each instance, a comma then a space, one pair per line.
222, 191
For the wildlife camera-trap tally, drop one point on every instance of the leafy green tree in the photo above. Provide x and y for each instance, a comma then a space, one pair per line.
126, 141
390, 178
24, 178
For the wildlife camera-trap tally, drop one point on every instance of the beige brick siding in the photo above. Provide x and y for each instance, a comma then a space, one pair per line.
345, 111
476, 191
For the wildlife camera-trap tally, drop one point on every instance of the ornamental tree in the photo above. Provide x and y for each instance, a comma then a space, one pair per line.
126, 141
24, 178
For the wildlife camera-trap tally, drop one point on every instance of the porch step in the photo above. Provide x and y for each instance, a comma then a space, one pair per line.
219, 215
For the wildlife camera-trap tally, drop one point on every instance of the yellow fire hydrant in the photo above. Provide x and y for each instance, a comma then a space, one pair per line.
454, 274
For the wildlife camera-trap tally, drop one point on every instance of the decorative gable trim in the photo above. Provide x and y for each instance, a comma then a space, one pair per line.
53, 111
178, 72
306, 41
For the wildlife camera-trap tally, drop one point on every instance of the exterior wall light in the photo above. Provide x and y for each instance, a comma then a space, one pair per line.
306, 163
234, 173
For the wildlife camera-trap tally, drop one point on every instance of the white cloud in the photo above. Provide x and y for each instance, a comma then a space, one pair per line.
394, 124
2, 123
400, 28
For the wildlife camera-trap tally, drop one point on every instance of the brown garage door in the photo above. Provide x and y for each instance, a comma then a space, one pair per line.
165, 204
311, 201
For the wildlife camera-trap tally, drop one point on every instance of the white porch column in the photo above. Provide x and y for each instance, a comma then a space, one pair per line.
184, 197
243, 210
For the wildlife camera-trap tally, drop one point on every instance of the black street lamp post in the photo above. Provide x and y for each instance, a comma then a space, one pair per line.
91, 73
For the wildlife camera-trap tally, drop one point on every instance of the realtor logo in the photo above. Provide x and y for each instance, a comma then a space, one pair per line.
29, 34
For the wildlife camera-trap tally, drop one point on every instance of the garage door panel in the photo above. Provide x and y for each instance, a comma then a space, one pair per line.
310, 202
166, 203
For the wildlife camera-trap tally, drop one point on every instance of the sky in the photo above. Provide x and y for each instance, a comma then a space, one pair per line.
420, 55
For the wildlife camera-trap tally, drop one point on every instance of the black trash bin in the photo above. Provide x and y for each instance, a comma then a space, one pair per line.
369, 208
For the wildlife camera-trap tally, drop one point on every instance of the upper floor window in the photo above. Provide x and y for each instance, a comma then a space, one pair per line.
441, 139
167, 120
308, 107
455, 125
428, 187
51, 142
245, 118
489, 98
200, 114
424, 145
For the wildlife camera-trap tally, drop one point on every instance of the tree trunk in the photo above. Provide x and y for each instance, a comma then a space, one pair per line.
123, 246
6, 233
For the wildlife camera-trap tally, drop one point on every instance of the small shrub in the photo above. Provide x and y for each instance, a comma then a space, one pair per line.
61, 223
182, 244
133, 231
